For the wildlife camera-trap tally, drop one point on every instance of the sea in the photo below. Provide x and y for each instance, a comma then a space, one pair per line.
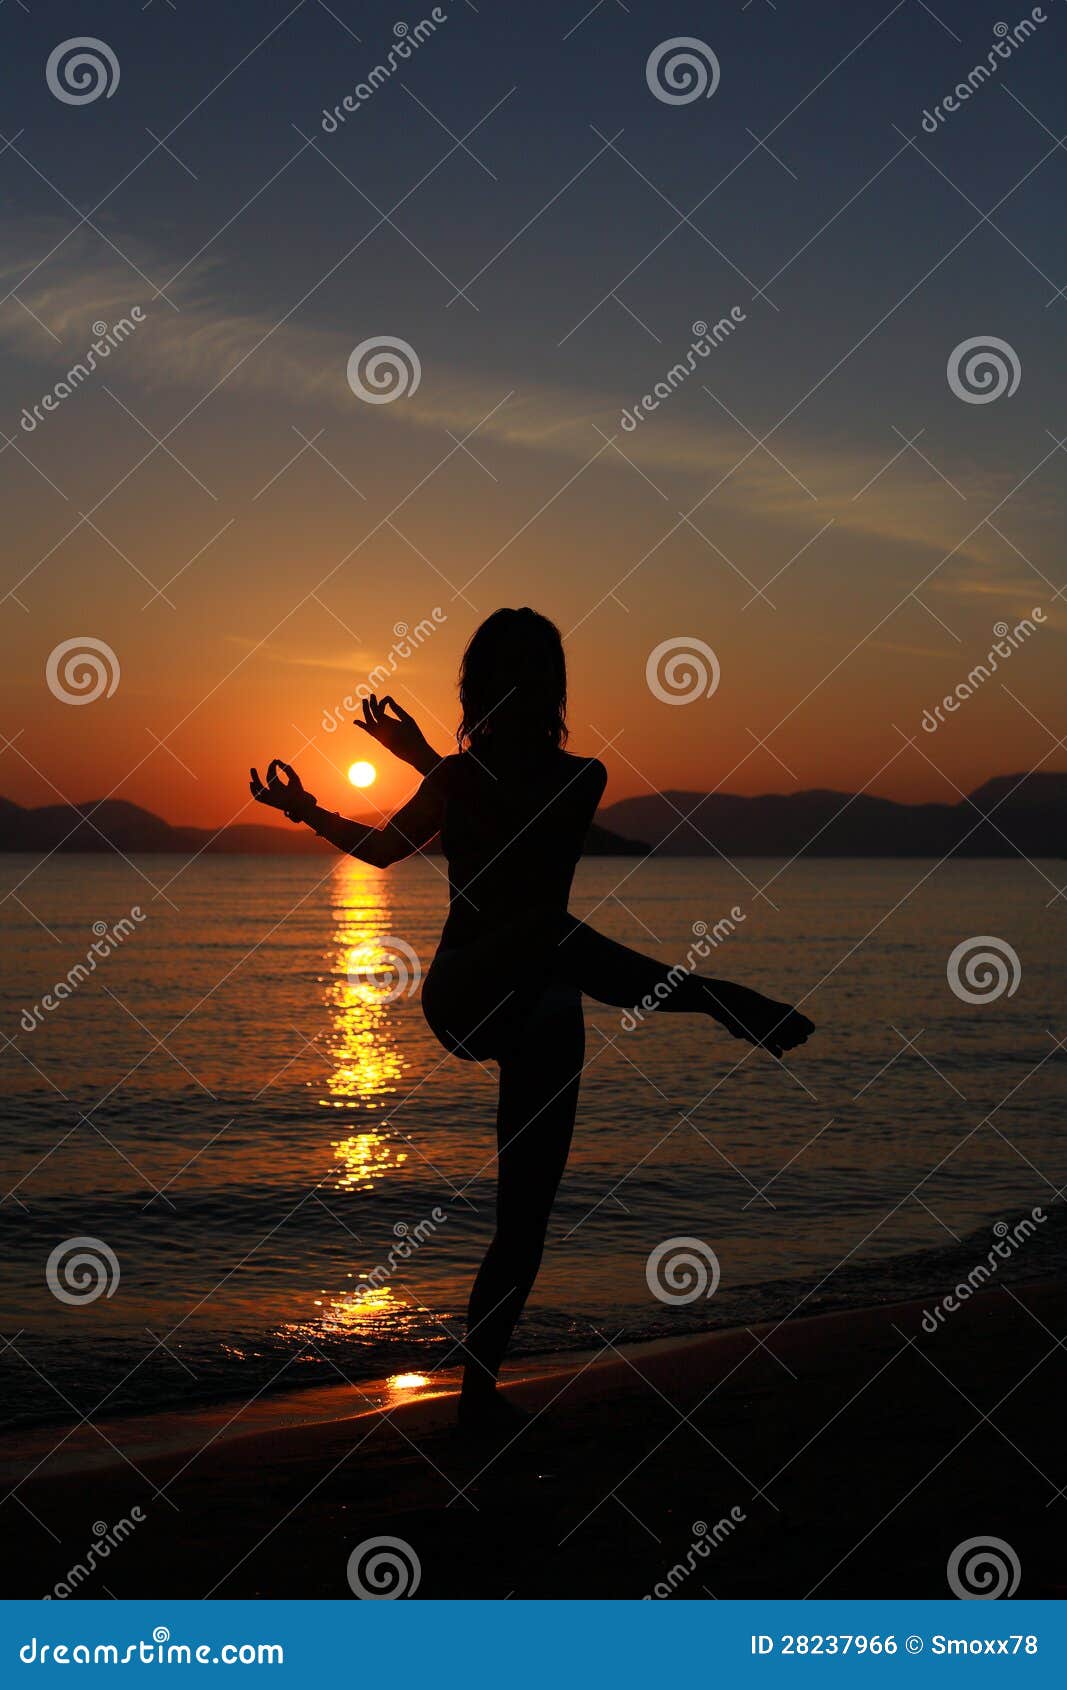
235, 1162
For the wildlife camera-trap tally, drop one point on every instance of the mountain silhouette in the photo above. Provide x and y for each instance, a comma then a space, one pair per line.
1007, 814
114, 825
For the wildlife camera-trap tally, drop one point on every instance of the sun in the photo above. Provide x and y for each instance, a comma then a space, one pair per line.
362, 774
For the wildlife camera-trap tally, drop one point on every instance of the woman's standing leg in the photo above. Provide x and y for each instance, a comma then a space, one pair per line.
539, 1079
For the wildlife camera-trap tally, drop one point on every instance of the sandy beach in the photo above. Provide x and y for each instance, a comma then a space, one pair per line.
842, 1456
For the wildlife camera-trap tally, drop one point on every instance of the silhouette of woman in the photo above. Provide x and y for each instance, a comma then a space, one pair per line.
513, 809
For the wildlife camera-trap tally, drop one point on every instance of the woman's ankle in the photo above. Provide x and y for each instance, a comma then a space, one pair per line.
477, 1389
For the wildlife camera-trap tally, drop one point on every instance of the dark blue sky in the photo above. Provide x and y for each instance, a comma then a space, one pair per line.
566, 86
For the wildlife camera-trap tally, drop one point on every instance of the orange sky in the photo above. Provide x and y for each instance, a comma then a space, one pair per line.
244, 531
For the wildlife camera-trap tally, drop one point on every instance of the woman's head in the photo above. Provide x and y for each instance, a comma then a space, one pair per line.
513, 682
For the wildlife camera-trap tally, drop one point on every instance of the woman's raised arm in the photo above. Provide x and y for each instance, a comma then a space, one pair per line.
412, 828
398, 733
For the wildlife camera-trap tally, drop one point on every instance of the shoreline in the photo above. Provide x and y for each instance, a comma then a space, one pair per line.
850, 1451
68, 1448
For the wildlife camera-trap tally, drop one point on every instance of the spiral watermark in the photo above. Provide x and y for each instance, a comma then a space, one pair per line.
386, 968
81, 69
983, 1569
681, 670
982, 369
82, 1269
982, 969
384, 368
681, 1270
81, 670
682, 70
383, 1569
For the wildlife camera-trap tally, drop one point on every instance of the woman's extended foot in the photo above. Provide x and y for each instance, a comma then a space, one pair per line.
762, 1021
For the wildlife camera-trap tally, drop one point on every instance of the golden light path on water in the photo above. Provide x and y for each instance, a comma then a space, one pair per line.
365, 1069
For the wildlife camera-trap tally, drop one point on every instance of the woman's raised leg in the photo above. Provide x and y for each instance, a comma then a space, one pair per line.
615, 974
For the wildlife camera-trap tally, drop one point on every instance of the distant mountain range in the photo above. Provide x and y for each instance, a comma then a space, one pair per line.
1026, 812
1009, 813
114, 825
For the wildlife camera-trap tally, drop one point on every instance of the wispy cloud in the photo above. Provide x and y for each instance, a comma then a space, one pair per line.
208, 344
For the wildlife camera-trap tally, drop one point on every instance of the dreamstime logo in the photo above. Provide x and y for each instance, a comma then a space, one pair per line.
705, 1539
680, 1270
409, 1239
408, 639
107, 339
983, 1569
387, 968
406, 41
983, 368
982, 969
705, 940
82, 1269
383, 369
105, 1539
682, 70
1008, 640
81, 670
706, 341
682, 669
382, 1569
81, 69
1009, 1239
1007, 39
106, 940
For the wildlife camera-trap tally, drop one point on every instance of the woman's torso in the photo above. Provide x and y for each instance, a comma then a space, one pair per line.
512, 831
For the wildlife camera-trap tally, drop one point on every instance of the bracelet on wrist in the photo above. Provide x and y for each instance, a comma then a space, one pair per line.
301, 807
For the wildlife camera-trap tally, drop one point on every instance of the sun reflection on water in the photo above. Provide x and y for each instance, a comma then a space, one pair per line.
365, 1070
364, 1159
365, 1061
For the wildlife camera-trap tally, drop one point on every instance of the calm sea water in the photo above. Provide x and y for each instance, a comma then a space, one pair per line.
249, 1132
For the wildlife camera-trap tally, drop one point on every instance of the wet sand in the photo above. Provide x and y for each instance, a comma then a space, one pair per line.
841, 1456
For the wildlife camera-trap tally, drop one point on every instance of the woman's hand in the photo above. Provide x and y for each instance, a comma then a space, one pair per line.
398, 733
288, 795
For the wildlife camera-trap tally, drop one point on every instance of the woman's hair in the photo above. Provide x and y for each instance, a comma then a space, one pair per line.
513, 682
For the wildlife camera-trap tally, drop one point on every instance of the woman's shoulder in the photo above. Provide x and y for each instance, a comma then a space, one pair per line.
469, 772
590, 771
